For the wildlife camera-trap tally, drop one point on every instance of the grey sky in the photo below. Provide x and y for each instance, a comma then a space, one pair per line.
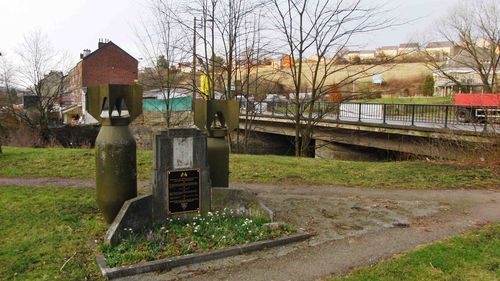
74, 25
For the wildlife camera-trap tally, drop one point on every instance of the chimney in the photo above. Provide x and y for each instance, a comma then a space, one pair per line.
85, 53
102, 42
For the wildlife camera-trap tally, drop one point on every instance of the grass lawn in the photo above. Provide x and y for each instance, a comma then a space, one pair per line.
474, 256
45, 233
79, 163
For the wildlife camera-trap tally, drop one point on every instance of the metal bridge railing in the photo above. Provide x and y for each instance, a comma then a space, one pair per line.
412, 115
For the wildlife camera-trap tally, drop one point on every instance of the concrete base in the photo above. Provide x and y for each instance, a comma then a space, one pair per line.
240, 201
135, 213
167, 264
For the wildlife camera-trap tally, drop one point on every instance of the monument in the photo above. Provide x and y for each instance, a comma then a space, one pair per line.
190, 165
115, 106
217, 118
181, 184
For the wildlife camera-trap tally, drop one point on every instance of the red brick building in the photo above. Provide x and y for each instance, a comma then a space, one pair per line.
109, 64
287, 61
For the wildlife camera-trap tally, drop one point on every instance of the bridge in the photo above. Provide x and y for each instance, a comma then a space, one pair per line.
417, 129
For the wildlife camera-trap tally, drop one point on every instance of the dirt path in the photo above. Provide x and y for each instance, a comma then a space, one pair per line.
354, 227
54, 181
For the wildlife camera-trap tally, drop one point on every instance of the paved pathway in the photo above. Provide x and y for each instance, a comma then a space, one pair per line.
327, 254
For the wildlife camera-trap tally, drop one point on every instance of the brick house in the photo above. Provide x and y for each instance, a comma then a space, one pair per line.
287, 61
109, 64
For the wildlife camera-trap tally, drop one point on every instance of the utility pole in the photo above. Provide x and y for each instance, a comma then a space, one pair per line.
212, 90
194, 63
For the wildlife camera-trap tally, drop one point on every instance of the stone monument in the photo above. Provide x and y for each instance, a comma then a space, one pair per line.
181, 183
181, 179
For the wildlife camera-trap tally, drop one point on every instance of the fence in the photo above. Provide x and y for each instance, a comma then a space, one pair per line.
419, 115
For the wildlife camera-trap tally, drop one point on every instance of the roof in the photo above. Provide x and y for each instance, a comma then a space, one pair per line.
388, 47
440, 44
71, 108
464, 59
106, 45
408, 45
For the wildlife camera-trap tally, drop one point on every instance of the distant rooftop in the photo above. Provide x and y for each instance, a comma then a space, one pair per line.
408, 45
388, 47
440, 44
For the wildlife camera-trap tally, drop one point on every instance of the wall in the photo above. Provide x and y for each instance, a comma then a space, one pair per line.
109, 65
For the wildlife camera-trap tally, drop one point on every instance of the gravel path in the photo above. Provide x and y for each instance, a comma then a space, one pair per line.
354, 226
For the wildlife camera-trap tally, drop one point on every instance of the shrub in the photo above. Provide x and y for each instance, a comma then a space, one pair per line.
428, 86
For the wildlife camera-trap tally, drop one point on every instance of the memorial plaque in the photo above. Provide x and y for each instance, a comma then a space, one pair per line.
183, 191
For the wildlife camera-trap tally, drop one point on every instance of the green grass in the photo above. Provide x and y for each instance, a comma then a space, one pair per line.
59, 162
407, 174
79, 163
44, 227
178, 237
475, 256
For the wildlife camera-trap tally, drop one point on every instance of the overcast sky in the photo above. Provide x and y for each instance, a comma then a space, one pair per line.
74, 25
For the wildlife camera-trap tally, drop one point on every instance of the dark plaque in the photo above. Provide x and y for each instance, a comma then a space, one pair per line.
183, 191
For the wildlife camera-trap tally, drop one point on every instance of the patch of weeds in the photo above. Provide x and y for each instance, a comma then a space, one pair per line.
177, 237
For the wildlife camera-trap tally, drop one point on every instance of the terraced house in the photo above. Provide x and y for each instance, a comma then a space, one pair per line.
109, 64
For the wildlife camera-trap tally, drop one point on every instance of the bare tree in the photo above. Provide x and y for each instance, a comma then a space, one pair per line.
7, 93
323, 28
474, 27
43, 82
252, 84
219, 26
160, 40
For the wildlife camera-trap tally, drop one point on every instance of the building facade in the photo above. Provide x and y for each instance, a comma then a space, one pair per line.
459, 68
109, 64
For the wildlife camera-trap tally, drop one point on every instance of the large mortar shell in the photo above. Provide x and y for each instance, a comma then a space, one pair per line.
218, 160
116, 172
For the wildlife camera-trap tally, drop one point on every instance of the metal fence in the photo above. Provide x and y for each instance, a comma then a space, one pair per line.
418, 115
